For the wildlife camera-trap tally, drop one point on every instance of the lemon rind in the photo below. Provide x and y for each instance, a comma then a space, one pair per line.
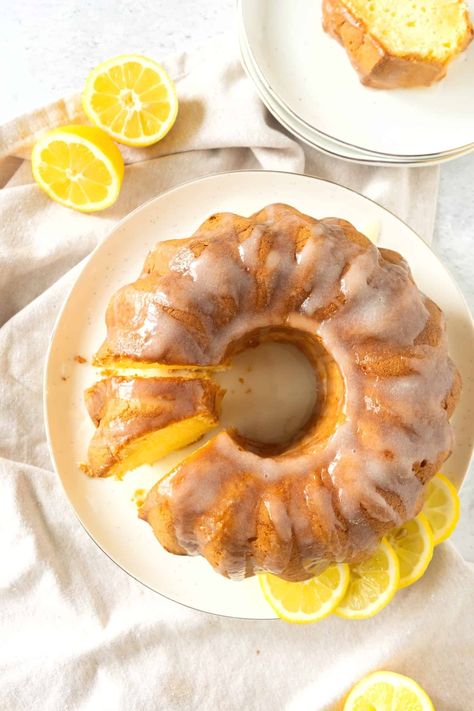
119, 137
303, 618
348, 614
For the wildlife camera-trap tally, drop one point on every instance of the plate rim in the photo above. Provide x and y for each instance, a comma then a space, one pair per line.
465, 149
295, 131
107, 238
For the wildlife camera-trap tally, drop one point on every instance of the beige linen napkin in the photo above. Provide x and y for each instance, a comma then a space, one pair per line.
77, 632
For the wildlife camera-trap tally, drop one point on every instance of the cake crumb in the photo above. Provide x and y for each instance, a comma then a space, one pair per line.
138, 497
80, 359
241, 380
63, 377
248, 391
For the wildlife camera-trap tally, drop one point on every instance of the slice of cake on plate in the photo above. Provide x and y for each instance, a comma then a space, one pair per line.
400, 44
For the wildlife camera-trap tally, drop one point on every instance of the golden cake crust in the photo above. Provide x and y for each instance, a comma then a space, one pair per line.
380, 429
377, 66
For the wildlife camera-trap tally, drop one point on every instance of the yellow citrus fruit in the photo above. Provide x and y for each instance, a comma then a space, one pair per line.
373, 584
132, 98
441, 508
79, 167
310, 600
413, 544
387, 691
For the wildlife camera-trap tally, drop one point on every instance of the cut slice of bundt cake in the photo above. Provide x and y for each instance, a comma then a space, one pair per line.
406, 43
141, 420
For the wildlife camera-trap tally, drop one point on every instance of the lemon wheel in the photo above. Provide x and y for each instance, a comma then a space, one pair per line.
309, 601
442, 507
413, 544
373, 584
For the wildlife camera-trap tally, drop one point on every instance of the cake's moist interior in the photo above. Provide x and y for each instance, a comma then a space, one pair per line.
283, 391
431, 28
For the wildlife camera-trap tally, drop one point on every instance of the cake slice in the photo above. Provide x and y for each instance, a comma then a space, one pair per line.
141, 420
406, 43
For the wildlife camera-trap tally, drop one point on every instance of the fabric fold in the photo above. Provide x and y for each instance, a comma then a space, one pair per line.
78, 633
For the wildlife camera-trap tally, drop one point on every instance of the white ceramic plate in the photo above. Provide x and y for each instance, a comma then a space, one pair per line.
317, 140
310, 74
104, 506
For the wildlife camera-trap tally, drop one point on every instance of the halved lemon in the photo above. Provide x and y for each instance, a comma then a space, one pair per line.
373, 584
413, 544
310, 600
387, 691
132, 98
79, 167
441, 507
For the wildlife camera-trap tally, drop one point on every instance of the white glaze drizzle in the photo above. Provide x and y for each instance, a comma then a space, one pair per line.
235, 286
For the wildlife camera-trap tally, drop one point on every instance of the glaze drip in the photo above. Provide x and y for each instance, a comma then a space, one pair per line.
382, 428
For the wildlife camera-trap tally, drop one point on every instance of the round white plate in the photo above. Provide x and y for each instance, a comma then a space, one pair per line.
105, 506
316, 140
311, 75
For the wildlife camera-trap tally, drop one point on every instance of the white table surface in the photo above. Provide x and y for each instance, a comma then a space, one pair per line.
47, 48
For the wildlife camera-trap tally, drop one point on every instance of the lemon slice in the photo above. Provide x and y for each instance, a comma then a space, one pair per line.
387, 691
79, 167
373, 584
132, 98
441, 508
413, 544
308, 601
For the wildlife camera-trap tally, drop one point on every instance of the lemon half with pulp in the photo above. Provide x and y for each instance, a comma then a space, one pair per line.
79, 167
132, 98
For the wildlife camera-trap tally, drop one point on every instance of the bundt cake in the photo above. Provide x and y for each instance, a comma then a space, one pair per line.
386, 389
406, 43
140, 420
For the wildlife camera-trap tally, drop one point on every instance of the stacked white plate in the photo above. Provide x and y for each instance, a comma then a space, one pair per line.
307, 82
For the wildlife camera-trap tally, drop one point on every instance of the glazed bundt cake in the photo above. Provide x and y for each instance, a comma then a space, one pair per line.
140, 420
406, 43
387, 388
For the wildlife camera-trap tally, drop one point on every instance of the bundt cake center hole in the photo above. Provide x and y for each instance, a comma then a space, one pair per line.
271, 395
